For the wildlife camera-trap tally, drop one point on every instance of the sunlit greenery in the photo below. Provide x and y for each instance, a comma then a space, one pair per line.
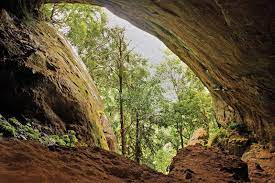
154, 108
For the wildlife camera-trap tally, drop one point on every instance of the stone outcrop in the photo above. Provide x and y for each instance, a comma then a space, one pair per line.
108, 133
41, 79
224, 113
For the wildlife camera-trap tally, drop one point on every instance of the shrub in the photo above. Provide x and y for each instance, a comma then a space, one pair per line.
7, 129
13, 128
58, 140
217, 136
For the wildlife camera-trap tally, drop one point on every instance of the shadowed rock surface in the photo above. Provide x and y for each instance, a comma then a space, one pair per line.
261, 164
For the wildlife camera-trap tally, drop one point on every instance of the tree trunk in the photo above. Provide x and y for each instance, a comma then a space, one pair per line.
138, 148
53, 13
122, 125
181, 136
179, 130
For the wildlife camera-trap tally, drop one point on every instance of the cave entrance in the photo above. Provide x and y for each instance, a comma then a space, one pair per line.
227, 45
152, 99
154, 106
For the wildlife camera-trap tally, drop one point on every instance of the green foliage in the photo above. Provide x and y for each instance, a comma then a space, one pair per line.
72, 138
54, 140
217, 137
14, 122
7, 129
12, 128
163, 157
188, 105
168, 102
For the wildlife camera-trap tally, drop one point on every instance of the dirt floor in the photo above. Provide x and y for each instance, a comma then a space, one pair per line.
23, 161
31, 162
199, 164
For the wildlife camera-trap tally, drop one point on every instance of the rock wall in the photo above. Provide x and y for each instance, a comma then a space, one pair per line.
43, 80
224, 113
199, 136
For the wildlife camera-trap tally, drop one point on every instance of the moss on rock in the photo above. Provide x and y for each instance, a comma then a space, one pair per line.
42, 78
12, 128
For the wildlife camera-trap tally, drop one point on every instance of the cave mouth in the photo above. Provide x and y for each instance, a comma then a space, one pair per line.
227, 60
40, 72
161, 100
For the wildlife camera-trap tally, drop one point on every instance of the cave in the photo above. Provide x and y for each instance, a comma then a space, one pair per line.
228, 44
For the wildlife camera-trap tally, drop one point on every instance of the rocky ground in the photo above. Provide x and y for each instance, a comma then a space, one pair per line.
24, 161
261, 164
32, 162
199, 164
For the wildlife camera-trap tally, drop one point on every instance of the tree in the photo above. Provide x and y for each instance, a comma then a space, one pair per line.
121, 58
104, 50
152, 113
189, 105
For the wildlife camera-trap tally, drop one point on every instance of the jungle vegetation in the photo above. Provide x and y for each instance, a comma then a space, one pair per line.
153, 109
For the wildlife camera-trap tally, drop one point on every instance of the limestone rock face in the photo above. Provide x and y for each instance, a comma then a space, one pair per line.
43, 80
228, 44
224, 113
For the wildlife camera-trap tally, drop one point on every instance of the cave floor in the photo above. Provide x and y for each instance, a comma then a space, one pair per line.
25, 161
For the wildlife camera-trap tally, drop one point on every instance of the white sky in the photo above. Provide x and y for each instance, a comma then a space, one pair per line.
143, 43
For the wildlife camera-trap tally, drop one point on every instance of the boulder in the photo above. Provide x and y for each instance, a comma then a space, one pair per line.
199, 136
